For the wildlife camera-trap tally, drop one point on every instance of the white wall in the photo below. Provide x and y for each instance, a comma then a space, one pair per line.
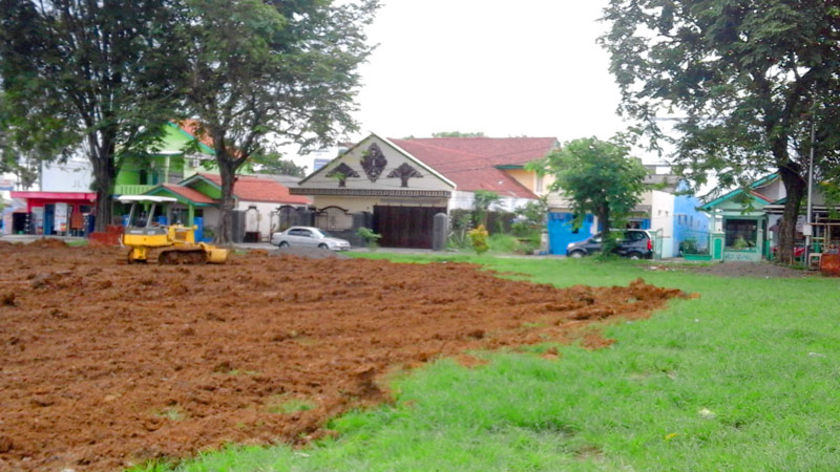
662, 220
464, 201
265, 212
75, 175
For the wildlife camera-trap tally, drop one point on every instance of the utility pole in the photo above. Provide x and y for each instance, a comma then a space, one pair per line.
810, 210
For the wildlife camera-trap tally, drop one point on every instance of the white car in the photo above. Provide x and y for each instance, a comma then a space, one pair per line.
308, 236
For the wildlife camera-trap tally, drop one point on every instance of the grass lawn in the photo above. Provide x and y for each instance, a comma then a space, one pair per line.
747, 377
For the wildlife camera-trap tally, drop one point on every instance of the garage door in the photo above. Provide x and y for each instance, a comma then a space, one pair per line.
405, 226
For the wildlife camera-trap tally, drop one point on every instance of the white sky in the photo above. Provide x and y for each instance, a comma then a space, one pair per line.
504, 68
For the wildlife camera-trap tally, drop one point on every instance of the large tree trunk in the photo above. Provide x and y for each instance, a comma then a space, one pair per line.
104, 173
607, 243
795, 189
224, 232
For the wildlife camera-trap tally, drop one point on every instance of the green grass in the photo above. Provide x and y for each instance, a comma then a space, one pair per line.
747, 377
283, 405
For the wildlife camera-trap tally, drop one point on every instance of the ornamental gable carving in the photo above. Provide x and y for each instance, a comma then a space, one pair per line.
342, 172
405, 172
373, 162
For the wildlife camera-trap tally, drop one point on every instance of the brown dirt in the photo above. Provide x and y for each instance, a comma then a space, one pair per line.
106, 364
751, 269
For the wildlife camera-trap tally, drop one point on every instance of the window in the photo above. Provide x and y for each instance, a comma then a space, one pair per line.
740, 234
539, 187
634, 236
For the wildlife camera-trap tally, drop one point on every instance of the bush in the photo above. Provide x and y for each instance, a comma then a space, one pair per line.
504, 243
478, 237
460, 224
370, 238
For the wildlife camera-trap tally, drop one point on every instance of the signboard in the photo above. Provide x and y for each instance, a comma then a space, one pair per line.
60, 218
38, 219
800, 223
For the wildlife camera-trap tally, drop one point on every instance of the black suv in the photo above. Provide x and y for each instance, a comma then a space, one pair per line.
634, 243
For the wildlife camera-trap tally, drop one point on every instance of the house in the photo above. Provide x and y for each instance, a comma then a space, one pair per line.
397, 186
179, 155
47, 213
176, 167
261, 199
670, 214
745, 221
740, 222
63, 204
65, 198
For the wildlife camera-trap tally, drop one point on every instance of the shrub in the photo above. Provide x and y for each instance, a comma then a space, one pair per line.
478, 237
370, 238
503, 243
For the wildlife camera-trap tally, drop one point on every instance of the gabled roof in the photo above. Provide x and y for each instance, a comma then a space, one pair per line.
252, 188
752, 193
186, 193
476, 163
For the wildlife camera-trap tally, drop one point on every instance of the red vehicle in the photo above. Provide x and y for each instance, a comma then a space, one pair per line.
798, 252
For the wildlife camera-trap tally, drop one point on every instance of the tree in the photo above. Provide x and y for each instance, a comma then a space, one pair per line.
749, 77
94, 75
599, 177
482, 201
266, 71
29, 135
457, 134
273, 163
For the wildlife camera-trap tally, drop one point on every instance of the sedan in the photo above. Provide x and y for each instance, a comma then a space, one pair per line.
308, 236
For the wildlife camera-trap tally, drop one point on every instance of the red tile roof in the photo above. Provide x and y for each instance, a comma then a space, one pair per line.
189, 193
471, 162
252, 188
193, 127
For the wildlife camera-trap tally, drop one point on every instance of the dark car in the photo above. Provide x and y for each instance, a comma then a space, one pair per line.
633, 243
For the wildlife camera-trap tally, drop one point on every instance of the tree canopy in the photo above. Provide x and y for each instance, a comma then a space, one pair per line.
89, 75
457, 134
598, 177
273, 163
748, 77
264, 72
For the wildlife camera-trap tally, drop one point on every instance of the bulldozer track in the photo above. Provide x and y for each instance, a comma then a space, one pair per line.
182, 256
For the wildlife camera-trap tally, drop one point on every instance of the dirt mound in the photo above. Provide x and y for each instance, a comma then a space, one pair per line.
107, 364
45, 243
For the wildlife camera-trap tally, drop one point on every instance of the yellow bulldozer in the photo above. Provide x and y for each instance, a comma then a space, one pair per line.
168, 244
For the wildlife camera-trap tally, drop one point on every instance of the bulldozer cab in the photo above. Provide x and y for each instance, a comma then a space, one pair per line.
166, 243
141, 216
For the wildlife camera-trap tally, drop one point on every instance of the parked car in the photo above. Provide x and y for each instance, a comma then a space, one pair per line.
634, 243
308, 236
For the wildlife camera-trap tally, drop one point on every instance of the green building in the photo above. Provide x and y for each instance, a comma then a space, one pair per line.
742, 223
179, 155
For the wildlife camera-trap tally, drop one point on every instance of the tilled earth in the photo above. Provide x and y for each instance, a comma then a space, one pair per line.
106, 364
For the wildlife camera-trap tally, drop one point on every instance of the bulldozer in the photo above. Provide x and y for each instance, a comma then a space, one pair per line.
168, 244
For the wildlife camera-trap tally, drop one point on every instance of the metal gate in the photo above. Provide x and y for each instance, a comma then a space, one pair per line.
409, 227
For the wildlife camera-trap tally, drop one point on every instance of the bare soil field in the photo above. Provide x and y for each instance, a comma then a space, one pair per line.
752, 269
106, 364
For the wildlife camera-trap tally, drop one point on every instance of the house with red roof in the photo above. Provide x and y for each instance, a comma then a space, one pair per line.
260, 198
398, 185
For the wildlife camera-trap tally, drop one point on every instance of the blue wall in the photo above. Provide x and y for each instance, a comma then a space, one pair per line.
561, 231
690, 223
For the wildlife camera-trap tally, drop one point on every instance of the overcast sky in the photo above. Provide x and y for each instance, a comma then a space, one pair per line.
503, 68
